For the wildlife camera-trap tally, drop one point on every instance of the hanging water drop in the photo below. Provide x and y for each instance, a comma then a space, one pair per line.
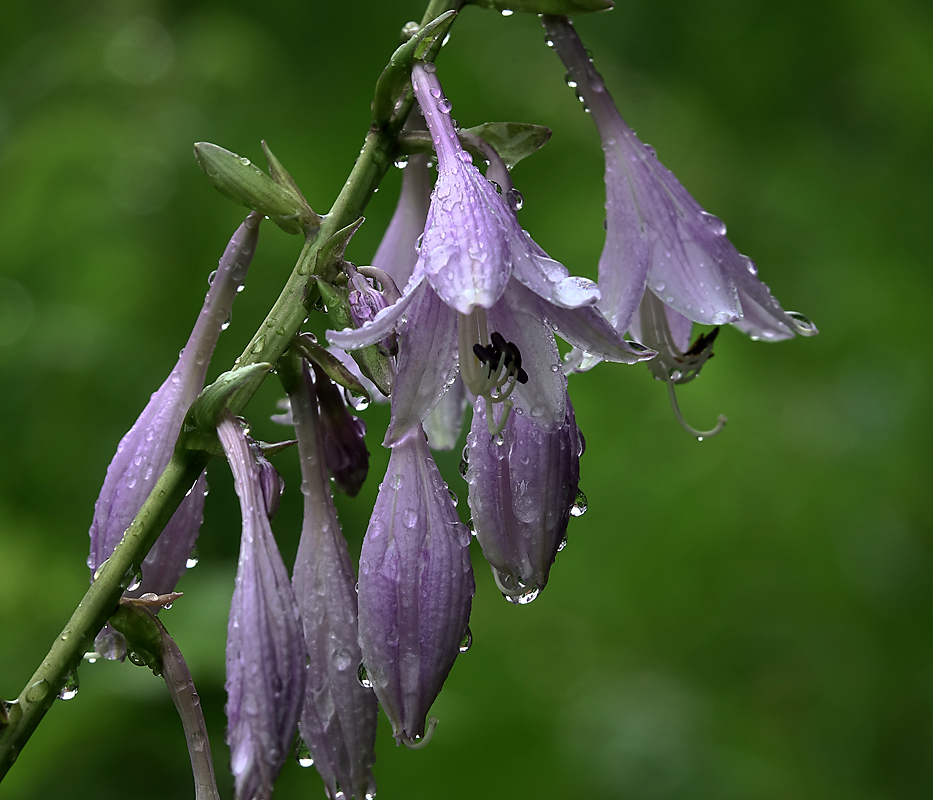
193, 558
802, 324
713, 223
37, 691
569, 80
466, 641
363, 676
135, 581
578, 509
70, 687
444, 106
453, 497
303, 755
507, 12
514, 198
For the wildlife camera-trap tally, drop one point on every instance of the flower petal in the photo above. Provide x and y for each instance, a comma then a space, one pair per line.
385, 323
427, 361
266, 653
416, 587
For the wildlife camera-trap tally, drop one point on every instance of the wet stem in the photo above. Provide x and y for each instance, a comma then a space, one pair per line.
271, 340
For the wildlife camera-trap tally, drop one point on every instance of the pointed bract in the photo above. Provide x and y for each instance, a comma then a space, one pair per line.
145, 450
338, 722
266, 654
416, 588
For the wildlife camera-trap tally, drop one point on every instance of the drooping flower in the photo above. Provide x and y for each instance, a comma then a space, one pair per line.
416, 588
479, 273
266, 654
338, 722
146, 449
523, 486
657, 236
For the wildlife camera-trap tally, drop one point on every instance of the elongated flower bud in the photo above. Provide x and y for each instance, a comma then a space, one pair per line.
266, 655
146, 449
338, 722
416, 588
523, 484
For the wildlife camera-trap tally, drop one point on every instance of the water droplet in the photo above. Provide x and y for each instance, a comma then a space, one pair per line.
659, 286
396, 481
245, 162
562, 545
444, 106
578, 509
713, 223
802, 324
401, 163
465, 157
135, 580
342, 659
136, 659
37, 691
363, 676
497, 187
507, 12
749, 265
453, 497
70, 688
258, 344
409, 518
303, 755
514, 198
91, 657
193, 558
568, 79
464, 467
466, 641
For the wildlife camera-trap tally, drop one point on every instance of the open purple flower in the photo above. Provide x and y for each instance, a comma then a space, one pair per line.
146, 449
338, 722
416, 588
266, 654
479, 273
523, 485
657, 236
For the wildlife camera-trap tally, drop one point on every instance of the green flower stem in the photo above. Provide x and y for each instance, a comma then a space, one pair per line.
267, 345
98, 604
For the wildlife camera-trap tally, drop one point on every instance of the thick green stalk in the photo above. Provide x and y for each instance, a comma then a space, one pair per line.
267, 345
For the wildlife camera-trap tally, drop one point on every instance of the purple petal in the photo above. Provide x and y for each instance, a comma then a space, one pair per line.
266, 653
344, 446
146, 449
385, 323
466, 249
442, 426
522, 486
397, 252
416, 587
427, 361
547, 278
338, 722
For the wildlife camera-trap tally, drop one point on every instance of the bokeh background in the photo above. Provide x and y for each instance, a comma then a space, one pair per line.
746, 618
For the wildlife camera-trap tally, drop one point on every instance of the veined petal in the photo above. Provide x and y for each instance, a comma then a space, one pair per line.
266, 653
466, 252
522, 487
416, 587
397, 253
147, 447
547, 278
427, 361
338, 722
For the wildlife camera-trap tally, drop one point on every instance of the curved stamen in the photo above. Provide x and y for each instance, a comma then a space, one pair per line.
389, 287
700, 435
417, 744
518, 591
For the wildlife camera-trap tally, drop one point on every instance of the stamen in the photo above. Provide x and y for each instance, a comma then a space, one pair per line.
700, 435
506, 590
417, 744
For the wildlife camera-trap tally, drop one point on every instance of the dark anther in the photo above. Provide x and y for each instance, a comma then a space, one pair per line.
703, 342
501, 351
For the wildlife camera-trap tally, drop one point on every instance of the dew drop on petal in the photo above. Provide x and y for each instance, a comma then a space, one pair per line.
466, 641
193, 558
303, 755
363, 676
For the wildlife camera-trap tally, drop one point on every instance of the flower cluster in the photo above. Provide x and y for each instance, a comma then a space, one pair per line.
474, 326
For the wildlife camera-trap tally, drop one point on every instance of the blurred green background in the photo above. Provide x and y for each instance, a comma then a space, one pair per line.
744, 618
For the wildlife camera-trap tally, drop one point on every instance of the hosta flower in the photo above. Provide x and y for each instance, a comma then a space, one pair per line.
146, 449
657, 236
416, 588
479, 273
266, 655
523, 485
338, 722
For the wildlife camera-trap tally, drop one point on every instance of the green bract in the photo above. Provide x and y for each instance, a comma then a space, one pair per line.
241, 181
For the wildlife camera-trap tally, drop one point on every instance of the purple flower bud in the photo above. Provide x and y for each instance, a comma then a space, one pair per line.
523, 484
266, 655
416, 588
338, 722
146, 449
345, 450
